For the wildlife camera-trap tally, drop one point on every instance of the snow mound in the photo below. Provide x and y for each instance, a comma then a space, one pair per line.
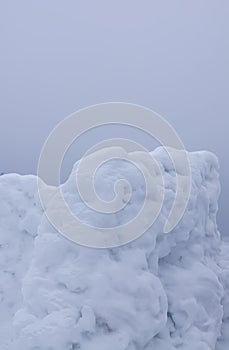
162, 291
20, 215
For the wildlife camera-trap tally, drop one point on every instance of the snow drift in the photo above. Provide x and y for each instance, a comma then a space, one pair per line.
162, 291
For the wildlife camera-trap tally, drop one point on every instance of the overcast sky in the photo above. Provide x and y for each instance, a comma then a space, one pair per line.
59, 56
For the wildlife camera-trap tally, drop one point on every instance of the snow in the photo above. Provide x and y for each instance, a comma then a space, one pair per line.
162, 291
20, 215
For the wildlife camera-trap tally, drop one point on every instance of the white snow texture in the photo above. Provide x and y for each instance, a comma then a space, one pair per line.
160, 292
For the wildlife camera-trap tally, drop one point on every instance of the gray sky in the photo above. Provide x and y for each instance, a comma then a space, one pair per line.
59, 56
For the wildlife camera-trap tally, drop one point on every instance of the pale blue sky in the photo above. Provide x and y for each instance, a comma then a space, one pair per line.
58, 56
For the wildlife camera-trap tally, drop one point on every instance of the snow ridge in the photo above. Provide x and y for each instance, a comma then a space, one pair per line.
162, 291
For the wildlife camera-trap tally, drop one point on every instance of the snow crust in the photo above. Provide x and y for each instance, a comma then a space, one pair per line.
162, 291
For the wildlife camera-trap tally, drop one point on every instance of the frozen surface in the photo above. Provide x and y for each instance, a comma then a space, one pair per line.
162, 291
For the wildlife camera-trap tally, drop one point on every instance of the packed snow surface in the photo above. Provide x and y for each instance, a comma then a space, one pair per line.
160, 292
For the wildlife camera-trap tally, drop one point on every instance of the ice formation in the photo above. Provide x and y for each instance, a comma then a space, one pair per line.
160, 292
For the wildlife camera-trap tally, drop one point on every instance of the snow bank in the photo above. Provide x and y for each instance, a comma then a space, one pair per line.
162, 291
20, 214
223, 262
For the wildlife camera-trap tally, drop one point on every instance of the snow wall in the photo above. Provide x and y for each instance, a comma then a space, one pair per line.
162, 291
